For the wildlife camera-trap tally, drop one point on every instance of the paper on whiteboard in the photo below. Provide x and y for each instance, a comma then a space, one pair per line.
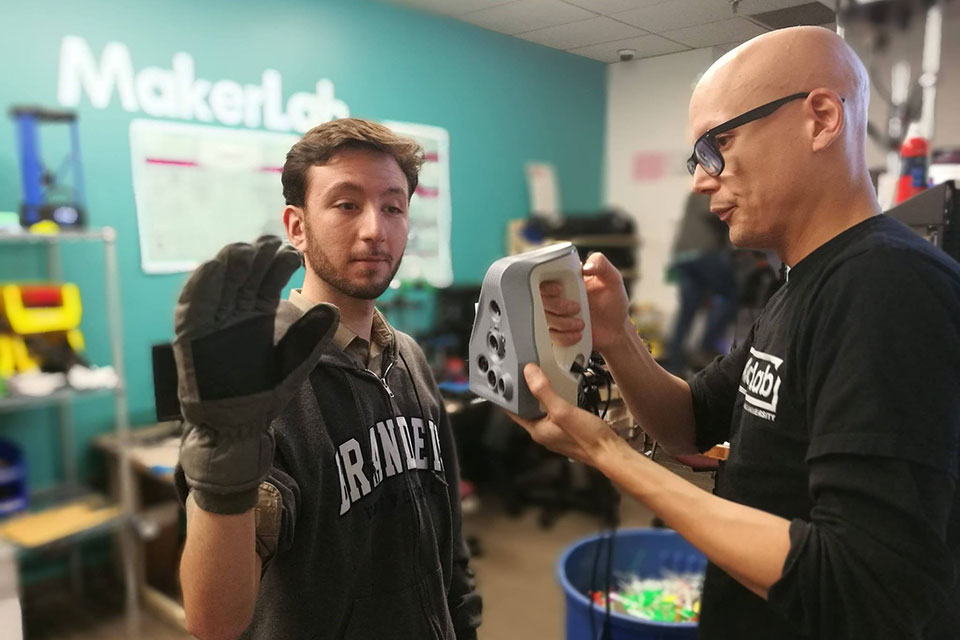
428, 246
198, 188
544, 192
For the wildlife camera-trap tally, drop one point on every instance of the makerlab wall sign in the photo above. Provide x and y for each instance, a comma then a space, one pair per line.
178, 92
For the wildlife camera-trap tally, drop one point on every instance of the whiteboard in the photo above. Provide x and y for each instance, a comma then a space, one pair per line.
198, 188
428, 245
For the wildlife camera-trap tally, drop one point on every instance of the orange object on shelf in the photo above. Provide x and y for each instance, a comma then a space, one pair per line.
719, 452
913, 164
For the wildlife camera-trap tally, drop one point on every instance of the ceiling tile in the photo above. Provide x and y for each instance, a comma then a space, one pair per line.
722, 49
609, 7
750, 7
811, 13
582, 33
676, 14
723, 32
645, 46
526, 15
451, 7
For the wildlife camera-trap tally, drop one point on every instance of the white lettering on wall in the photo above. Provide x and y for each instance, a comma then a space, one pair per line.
178, 92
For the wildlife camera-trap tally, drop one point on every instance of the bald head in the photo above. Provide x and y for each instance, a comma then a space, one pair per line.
777, 64
794, 176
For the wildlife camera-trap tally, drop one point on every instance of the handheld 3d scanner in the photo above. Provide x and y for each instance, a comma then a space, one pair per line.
510, 330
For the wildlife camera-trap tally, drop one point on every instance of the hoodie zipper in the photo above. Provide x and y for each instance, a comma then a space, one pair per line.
383, 379
431, 620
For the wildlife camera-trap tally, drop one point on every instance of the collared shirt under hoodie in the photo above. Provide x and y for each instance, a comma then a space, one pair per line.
842, 409
368, 354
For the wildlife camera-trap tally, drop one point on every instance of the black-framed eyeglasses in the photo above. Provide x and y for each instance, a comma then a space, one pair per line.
707, 154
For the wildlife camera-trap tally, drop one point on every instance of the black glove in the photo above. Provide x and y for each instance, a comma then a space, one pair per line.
235, 373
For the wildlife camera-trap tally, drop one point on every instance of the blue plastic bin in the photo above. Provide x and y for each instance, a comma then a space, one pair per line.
13, 479
645, 552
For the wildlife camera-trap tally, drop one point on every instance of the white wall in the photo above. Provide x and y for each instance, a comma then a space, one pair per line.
910, 47
647, 114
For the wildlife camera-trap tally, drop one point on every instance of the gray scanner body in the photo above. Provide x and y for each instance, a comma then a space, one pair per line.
510, 330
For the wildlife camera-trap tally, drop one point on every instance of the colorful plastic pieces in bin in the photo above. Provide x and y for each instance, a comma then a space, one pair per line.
674, 597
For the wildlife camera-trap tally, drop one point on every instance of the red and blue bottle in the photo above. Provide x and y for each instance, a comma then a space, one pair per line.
913, 164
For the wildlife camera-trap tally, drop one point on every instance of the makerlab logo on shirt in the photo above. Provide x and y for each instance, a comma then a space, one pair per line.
760, 384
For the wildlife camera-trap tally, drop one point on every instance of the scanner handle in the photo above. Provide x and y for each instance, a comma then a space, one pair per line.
562, 365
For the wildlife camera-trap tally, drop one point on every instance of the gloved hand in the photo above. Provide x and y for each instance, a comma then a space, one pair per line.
234, 374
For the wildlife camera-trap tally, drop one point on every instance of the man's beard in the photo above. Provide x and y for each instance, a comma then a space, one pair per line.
326, 271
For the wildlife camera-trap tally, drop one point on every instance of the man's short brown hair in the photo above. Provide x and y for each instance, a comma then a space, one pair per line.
319, 145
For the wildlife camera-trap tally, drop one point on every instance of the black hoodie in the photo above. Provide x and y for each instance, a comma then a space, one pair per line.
370, 545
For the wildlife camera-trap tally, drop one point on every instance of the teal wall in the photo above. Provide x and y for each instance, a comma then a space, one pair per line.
504, 102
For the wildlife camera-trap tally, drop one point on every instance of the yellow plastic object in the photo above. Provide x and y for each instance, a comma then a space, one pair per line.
37, 529
7, 367
29, 320
45, 228
22, 361
76, 341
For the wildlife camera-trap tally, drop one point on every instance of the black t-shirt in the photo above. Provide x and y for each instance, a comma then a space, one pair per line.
842, 409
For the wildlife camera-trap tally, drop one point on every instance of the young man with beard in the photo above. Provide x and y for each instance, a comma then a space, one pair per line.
323, 491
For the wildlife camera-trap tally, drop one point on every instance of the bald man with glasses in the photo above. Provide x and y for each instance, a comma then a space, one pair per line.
837, 513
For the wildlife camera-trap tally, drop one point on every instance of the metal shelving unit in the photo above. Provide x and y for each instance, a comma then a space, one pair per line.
63, 399
517, 244
20, 403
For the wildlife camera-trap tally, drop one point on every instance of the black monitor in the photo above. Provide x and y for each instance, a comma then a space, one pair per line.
165, 383
935, 215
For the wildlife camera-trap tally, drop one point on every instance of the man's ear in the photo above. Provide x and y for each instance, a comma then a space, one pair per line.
296, 227
826, 118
